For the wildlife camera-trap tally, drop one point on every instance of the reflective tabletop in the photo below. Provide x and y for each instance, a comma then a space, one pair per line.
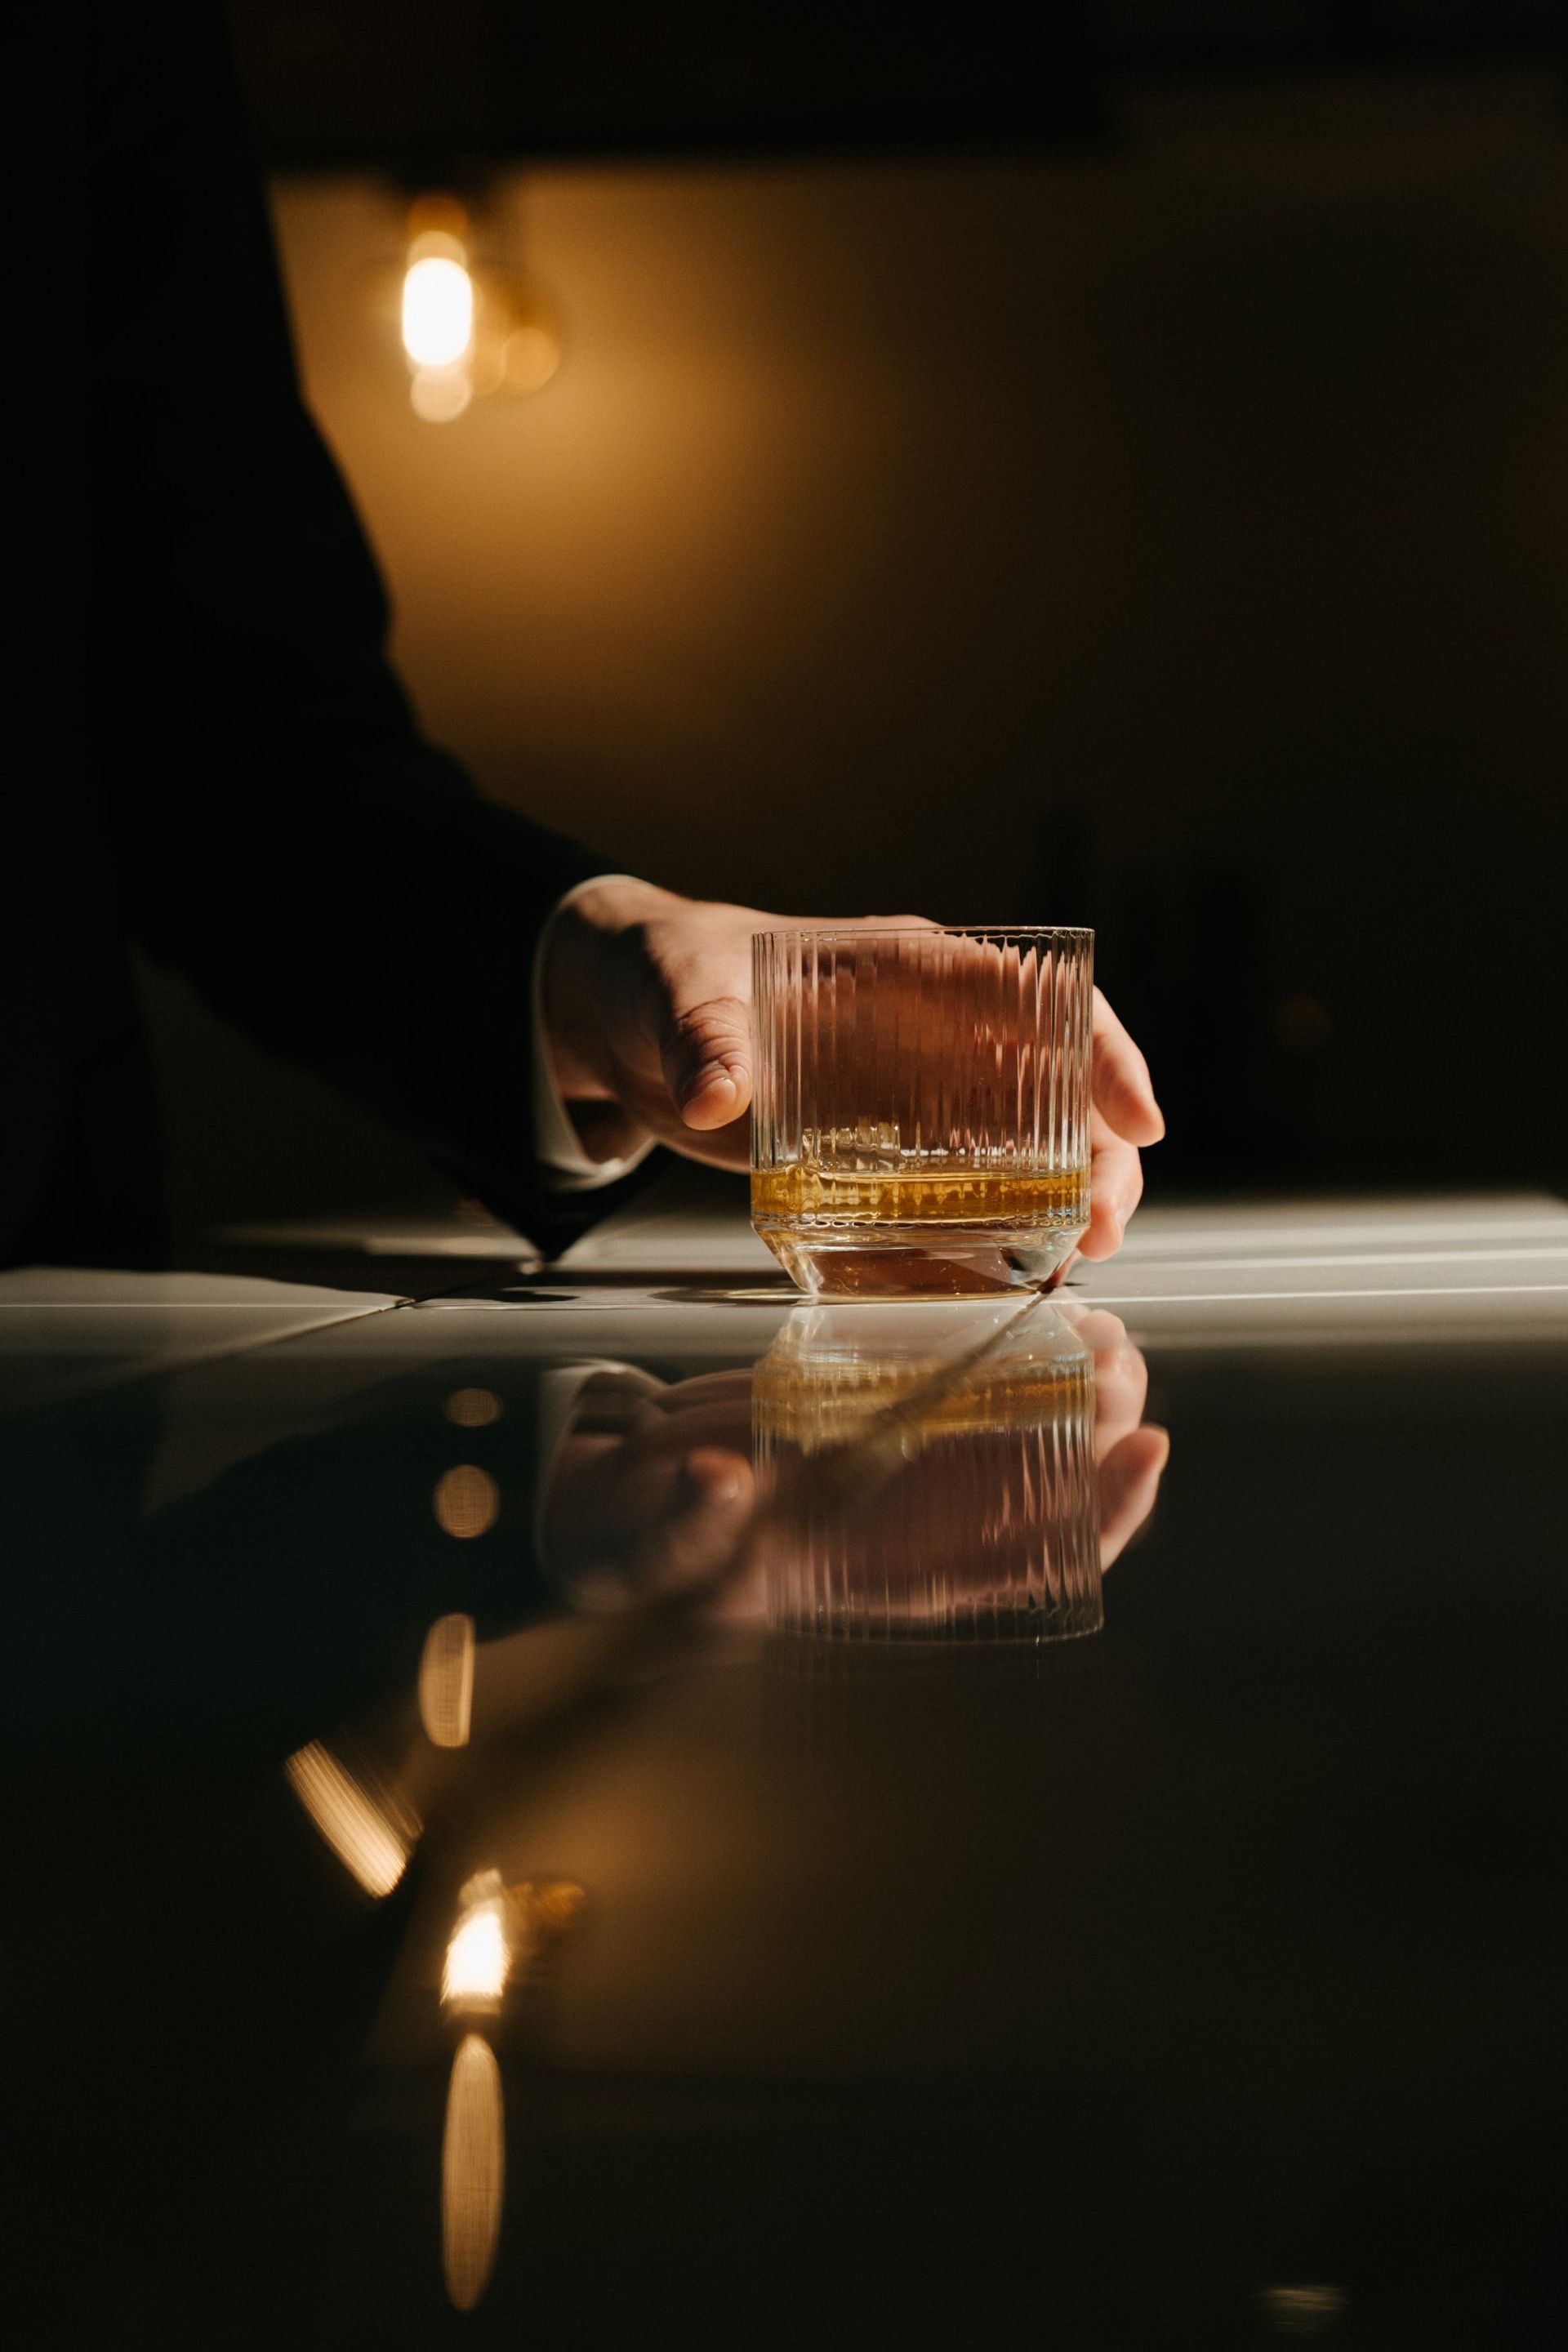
554, 1804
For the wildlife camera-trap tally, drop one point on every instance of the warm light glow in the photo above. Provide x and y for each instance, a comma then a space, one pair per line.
442, 245
467, 1500
363, 1835
439, 395
437, 311
473, 2171
473, 1407
479, 1952
530, 357
446, 1681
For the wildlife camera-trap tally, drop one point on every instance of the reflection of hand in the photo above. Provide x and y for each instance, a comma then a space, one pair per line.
926, 1521
1131, 1454
648, 1002
650, 1489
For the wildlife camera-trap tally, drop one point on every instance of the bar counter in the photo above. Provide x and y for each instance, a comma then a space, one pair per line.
453, 1898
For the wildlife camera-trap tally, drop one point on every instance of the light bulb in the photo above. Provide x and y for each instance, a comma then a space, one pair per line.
487, 1938
437, 311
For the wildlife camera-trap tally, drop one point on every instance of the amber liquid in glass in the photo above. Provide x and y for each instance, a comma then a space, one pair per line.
958, 1196
981, 1526
814, 1409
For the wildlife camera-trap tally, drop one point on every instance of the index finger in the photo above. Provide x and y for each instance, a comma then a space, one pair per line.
1122, 1087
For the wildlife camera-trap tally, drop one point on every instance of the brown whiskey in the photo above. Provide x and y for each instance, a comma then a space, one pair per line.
1031, 1199
813, 1409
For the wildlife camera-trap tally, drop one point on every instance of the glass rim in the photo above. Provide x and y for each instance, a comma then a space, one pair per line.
929, 932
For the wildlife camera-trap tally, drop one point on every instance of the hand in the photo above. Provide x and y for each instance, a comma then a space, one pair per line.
952, 1507
647, 1005
1130, 1453
649, 1492
1125, 1115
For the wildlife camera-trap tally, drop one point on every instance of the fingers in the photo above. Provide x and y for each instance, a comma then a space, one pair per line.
1115, 1188
1120, 1389
721, 1147
697, 1530
1100, 1332
651, 1105
1129, 1482
1123, 1091
688, 1513
705, 1053
716, 1389
713, 1409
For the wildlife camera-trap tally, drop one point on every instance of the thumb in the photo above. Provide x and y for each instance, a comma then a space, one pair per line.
1128, 1484
705, 1053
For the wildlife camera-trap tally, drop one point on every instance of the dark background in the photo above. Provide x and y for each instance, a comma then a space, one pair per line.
1123, 480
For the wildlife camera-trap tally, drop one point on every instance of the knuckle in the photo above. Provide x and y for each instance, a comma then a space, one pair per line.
721, 1022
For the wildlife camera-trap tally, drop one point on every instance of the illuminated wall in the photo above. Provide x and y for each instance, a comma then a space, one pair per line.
1130, 535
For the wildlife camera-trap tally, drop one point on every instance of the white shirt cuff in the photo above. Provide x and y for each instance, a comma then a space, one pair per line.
557, 1145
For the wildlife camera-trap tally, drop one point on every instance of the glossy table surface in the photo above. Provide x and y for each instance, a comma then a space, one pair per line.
462, 1889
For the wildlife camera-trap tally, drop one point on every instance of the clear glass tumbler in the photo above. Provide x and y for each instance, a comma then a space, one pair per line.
929, 1474
921, 1120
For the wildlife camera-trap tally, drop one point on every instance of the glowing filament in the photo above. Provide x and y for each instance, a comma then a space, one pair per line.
479, 1951
437, 313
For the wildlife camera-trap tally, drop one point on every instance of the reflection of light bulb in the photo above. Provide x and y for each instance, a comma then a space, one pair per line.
467, 1500
480, 1950
371, 1839
437, 311
446, 1681
439, 394
531, 355
473, 2171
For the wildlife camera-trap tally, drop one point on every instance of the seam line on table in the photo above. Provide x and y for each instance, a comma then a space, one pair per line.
83, 1392
1269, 1297
1385, 1257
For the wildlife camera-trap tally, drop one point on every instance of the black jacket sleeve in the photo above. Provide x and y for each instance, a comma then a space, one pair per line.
285, 836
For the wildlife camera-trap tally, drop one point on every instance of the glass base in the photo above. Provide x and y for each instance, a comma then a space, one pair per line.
917, 1261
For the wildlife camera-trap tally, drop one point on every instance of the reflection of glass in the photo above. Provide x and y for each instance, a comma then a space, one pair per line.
921, 1113
932, 1474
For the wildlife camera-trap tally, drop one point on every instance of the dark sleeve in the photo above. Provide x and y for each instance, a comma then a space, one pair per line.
285, 838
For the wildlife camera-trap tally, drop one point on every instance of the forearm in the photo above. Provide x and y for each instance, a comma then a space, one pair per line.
285, 836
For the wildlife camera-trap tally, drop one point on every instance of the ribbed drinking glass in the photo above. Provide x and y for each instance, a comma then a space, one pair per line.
921, 1118
929, 1473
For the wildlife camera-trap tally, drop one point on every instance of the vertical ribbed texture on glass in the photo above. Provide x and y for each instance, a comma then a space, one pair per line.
917, 1501
922, 1051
